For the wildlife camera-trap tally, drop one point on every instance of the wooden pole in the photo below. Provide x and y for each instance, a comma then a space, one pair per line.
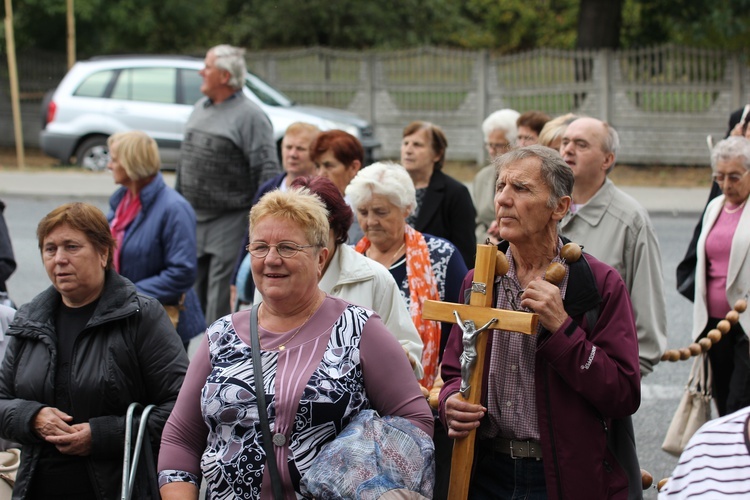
71, 38
14, 94
463, 449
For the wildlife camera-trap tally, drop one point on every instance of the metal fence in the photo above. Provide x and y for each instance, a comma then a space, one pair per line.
663, 100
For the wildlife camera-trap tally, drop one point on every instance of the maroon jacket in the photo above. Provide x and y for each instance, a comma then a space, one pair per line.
576, 403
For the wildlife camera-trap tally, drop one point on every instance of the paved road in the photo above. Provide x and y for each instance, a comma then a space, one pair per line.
70, 182
661, 390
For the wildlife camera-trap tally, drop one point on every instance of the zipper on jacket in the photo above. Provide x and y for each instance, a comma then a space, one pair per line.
605, 428
551, 430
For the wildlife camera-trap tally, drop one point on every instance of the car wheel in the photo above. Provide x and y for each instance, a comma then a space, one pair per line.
93, 153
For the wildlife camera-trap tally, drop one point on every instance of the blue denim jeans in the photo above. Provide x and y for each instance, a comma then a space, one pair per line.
498, 476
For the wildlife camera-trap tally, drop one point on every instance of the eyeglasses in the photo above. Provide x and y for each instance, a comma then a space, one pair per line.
526, 140
732, 178
285, 249
497, 146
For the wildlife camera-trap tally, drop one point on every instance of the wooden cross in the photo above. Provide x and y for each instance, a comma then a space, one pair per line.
480, 311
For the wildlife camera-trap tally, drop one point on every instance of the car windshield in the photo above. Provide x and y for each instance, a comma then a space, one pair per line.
265, 92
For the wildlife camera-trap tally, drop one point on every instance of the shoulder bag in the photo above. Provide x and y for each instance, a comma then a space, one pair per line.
694, 409
9, 461
173, 311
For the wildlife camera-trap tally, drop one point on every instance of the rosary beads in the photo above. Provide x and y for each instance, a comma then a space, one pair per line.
713, 336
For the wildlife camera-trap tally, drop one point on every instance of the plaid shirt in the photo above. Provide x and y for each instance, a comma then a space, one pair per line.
511, 398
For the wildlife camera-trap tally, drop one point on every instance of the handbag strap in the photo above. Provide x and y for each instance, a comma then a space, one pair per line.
260, 395
697, 373
706, 376
701, 376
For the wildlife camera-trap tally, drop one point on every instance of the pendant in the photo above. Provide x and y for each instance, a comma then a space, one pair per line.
279, 439
281, 348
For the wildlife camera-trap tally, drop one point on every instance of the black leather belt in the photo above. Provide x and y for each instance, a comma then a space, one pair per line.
517, 449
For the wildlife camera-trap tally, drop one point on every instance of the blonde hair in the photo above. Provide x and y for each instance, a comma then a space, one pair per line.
554, 129
137, 153
299, 206
297, 128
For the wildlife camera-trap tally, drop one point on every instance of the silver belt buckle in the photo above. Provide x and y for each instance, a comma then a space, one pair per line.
511, 451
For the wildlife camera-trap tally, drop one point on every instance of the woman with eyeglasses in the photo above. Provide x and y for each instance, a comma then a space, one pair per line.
723, 273
443, 205
323, 360
500, 133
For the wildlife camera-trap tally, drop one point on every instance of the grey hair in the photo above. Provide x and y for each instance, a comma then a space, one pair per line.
556, 174
611, 142
505, 120
730, 148
386, 179
231, 59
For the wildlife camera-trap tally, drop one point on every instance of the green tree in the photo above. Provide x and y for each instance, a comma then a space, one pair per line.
259, 24
722, 24
175, 26
107, 27
514, 25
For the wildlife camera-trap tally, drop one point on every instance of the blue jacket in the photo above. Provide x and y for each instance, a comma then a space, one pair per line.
248, 287
159, 252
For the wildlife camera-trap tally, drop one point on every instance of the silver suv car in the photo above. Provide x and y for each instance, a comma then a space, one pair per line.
156, 94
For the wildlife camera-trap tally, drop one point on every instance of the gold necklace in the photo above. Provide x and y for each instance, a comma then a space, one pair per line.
393, 257
733, 210
396, 254
282, 347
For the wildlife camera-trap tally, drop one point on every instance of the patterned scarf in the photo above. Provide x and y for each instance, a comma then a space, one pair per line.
127, 211
422, 286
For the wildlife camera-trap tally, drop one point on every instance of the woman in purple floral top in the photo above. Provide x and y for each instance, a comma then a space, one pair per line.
324, 360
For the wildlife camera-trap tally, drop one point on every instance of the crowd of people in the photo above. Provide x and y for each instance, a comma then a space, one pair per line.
306, 283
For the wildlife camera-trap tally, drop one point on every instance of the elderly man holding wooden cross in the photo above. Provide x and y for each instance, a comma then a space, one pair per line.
550, 400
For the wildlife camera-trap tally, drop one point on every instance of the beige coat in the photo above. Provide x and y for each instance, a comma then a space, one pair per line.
616, 229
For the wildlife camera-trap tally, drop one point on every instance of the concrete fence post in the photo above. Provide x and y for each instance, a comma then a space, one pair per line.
605, 87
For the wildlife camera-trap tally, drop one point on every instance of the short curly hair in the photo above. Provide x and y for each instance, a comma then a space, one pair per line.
299, 206
386, 179
82, 217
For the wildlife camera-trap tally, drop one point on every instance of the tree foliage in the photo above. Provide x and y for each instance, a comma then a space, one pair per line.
176, 26
719, 24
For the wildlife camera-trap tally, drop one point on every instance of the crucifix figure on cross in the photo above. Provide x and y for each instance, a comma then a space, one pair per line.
469, 356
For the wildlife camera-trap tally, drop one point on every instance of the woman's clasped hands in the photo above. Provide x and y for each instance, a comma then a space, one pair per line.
53, 426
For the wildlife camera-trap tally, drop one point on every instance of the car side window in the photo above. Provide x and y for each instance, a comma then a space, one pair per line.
147, 85
190, 86
95, 85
